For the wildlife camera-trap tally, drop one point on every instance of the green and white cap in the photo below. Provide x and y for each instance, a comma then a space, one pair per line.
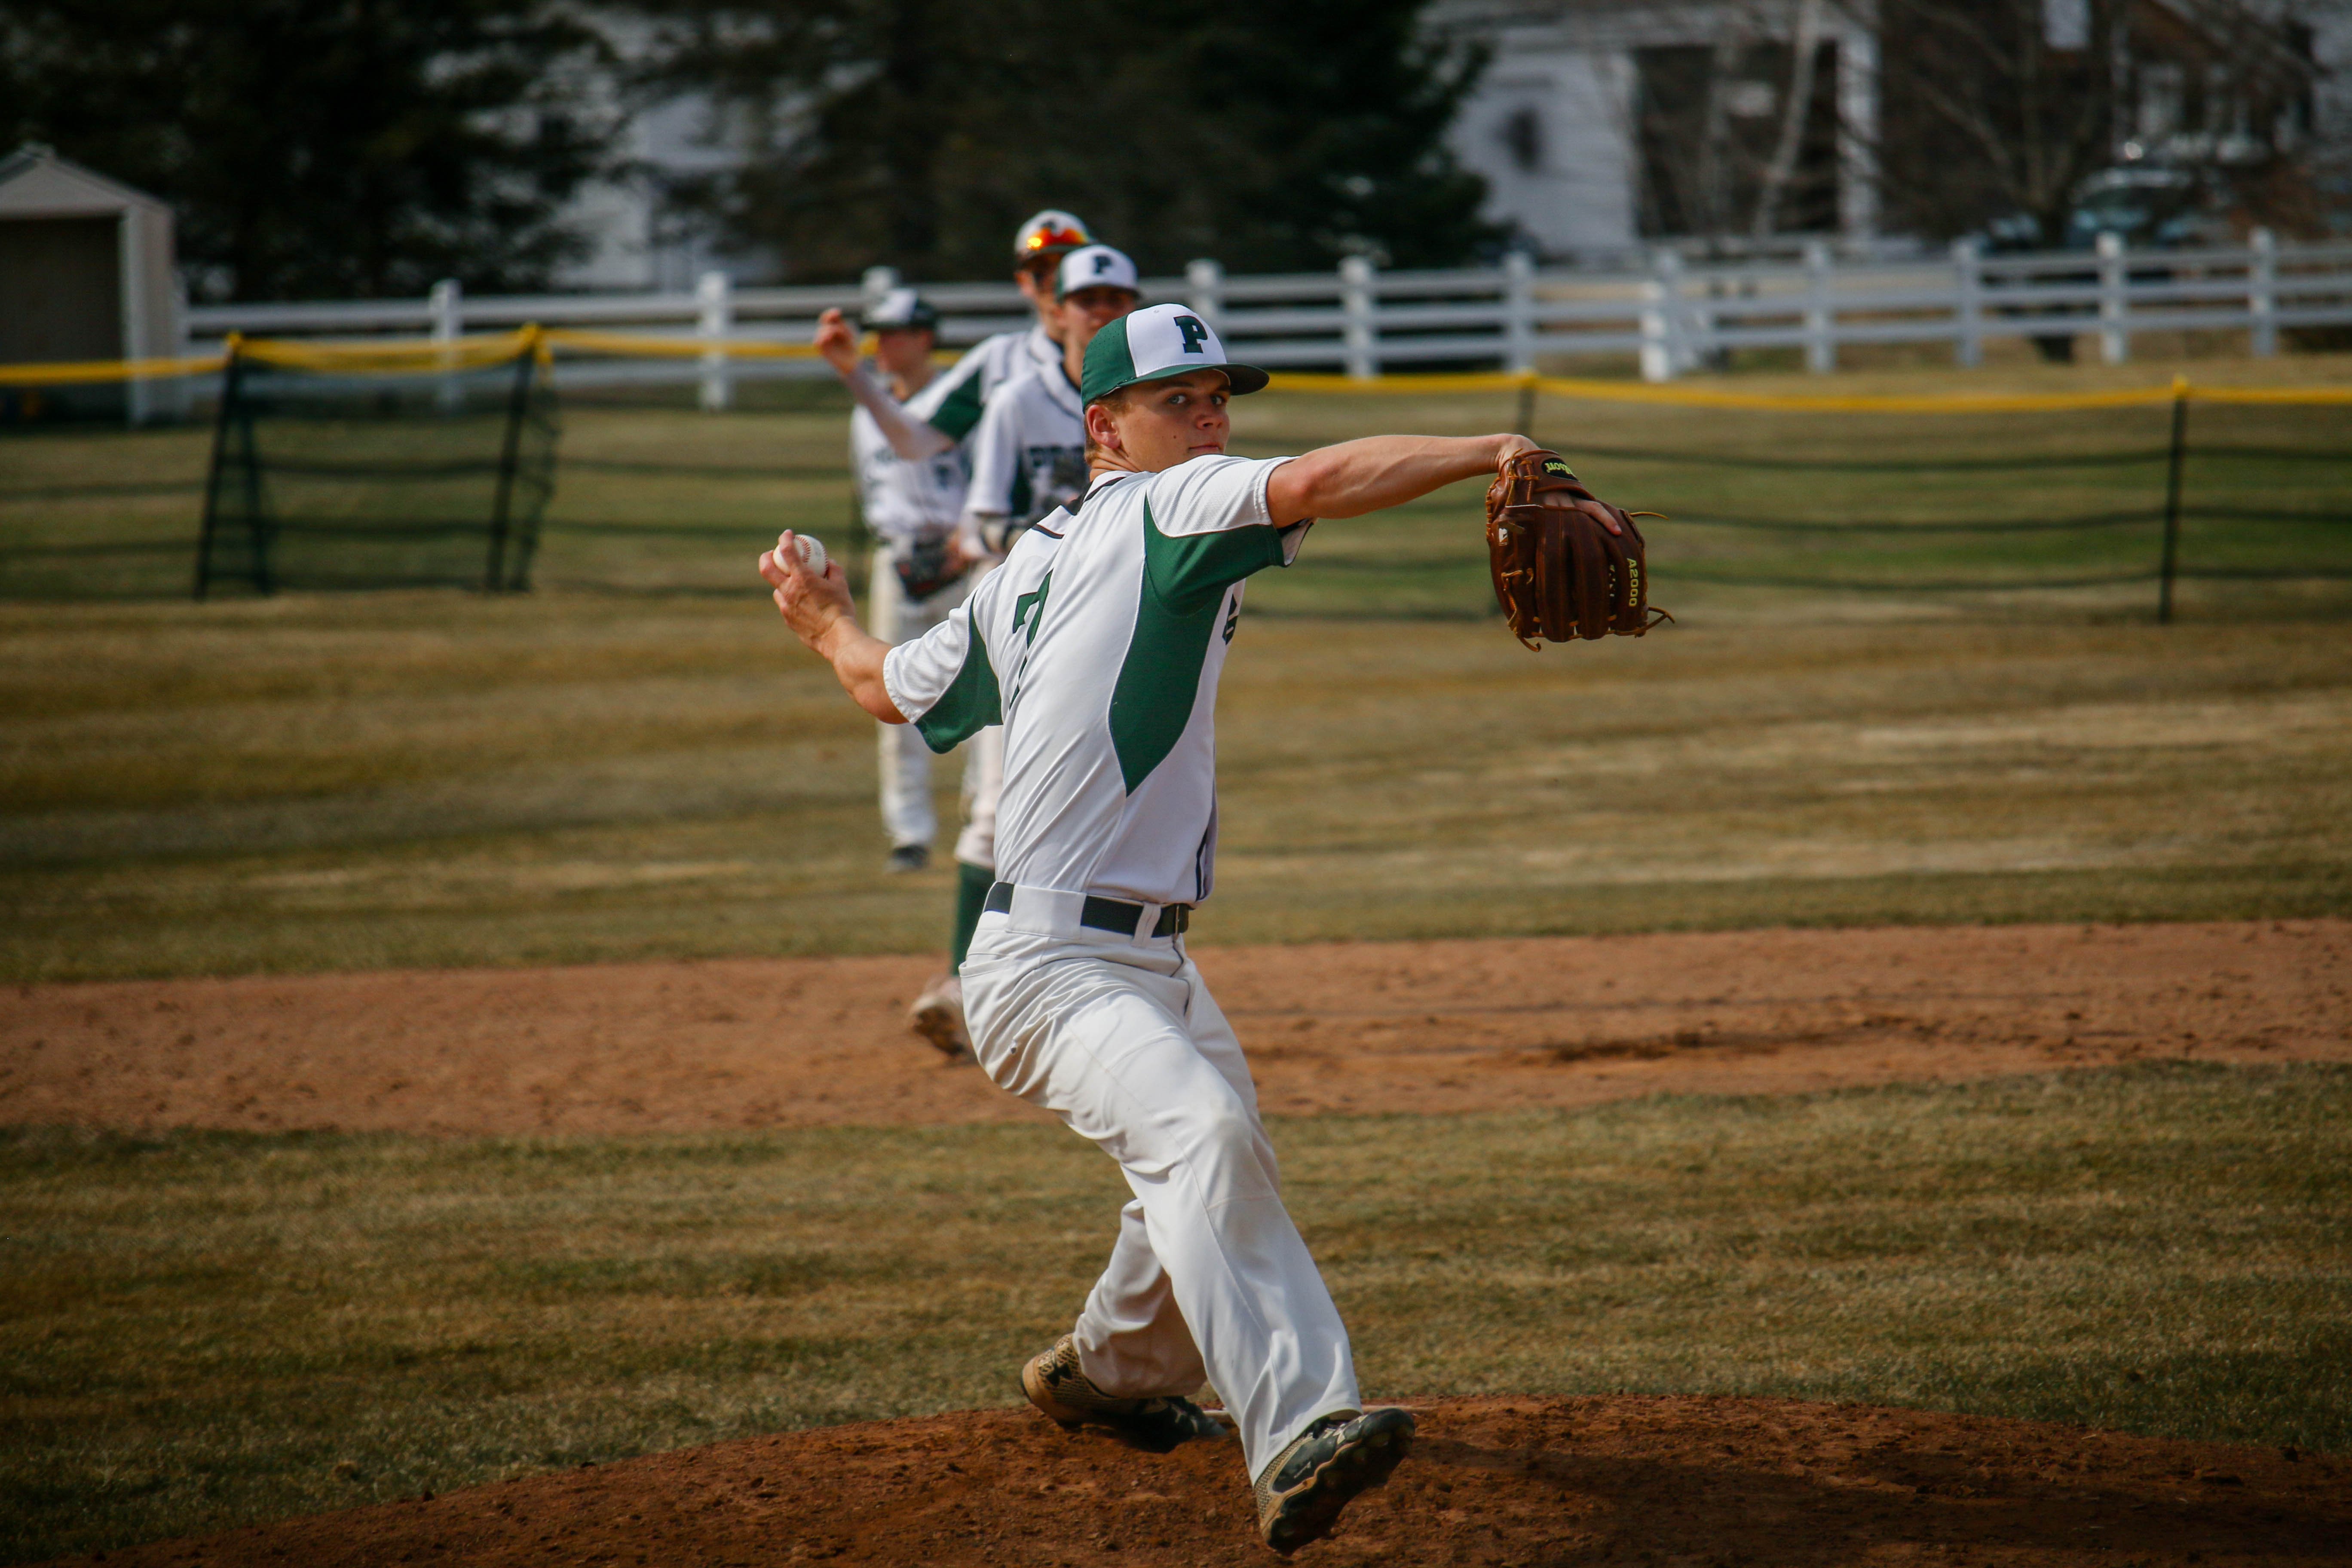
1095, 267
1155, 343
899, 311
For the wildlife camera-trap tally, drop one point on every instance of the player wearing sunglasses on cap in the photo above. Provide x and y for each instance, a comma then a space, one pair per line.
947, 416
1038, 247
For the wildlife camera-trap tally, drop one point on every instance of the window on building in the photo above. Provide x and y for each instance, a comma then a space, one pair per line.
1521, 133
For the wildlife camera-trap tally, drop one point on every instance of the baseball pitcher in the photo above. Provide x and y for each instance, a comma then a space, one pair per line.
1098, 645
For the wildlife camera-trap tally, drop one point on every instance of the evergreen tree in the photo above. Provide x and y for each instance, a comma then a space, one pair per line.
319, 148
918, 133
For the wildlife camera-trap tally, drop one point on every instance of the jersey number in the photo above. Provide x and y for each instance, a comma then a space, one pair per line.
1030, 608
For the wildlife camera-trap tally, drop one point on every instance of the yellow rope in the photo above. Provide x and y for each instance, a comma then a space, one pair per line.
2317, 395
470, 352
676, 348
68, 374
1931, 403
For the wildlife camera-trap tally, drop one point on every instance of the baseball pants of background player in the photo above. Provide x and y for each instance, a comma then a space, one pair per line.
906, 760
1120, 1038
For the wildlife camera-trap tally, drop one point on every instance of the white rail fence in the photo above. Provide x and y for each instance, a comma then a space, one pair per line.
1674, 319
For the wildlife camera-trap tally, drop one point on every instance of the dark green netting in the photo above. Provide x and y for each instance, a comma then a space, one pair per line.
333, 480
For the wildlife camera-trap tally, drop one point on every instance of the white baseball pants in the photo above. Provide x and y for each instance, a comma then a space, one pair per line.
905, 761
1120, 1038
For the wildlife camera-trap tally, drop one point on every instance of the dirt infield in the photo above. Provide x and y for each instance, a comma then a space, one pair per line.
1424, 1027
1495, 1480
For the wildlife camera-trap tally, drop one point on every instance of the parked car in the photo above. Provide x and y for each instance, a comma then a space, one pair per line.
2151, 207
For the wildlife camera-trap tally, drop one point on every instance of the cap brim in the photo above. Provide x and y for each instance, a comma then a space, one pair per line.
1240, 380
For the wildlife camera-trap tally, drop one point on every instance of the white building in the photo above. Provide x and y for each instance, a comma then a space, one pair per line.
1574, 126
1557, 125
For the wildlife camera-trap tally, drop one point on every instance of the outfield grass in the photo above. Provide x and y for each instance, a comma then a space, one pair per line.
402, 779
636, 763
203, 1330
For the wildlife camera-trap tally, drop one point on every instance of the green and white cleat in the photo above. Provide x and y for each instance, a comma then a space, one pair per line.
1302, 1491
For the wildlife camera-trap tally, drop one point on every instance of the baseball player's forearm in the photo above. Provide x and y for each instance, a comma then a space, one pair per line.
1358, 476
816, 605
910, 438
856, 655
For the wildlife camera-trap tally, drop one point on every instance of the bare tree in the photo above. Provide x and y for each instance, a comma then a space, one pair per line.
2002, 109
1991, 112
1795, 104
1738, 139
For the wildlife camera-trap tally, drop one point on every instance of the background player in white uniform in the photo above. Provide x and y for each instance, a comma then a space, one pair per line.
912, 507
1037, 251
1099, 643
1029, 452
1039, 246
1028, 457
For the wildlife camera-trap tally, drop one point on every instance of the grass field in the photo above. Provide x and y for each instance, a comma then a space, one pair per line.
586, 773
199, 1331
402, 779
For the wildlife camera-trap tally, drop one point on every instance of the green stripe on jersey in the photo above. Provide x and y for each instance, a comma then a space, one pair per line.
958, 411
1184, 581
971, 704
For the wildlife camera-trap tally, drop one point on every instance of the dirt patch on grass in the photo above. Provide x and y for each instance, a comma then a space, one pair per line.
1493, 1481
1447, 1026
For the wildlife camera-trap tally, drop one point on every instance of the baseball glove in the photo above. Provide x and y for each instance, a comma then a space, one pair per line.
1558, 573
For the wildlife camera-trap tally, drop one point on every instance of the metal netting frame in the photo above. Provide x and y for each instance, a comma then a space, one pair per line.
524, 478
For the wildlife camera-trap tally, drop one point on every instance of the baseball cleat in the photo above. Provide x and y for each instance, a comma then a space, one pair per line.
938, 1017
1301, 1492
908, 858
1056, 1385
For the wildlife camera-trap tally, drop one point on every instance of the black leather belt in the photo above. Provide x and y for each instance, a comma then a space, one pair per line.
1104, 914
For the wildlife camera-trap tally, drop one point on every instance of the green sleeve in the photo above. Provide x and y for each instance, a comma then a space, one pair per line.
958, 410
1192, 571
971, 704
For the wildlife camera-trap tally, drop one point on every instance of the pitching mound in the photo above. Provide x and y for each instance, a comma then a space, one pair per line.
1496, 1480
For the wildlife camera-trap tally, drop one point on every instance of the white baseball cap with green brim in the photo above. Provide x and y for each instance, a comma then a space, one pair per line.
1154, 344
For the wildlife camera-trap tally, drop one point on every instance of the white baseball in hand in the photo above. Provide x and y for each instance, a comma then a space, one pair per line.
812, 553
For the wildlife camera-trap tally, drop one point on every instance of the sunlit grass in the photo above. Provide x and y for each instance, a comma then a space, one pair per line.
433, 778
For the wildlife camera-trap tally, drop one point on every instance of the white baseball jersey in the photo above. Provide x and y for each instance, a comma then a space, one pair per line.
905, 501
1029, 453
1098, 645
989, 365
